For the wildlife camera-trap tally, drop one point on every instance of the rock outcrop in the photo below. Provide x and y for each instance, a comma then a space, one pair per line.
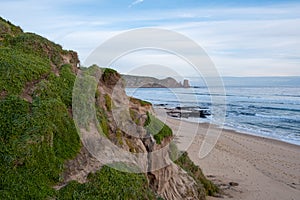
186, 83
126, 130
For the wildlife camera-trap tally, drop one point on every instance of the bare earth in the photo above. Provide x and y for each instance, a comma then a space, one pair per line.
263, 168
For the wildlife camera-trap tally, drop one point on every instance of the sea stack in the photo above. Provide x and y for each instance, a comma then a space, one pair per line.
186, 83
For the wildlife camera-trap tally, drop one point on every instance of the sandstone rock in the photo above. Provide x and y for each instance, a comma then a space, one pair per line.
128, 142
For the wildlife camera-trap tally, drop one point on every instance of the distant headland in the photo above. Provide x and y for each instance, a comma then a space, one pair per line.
151, 82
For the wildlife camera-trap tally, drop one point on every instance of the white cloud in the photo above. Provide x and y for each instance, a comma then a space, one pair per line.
135, 3
241, 40
238, 47
248, 47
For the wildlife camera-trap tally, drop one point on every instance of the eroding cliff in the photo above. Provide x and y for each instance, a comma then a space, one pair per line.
131, 125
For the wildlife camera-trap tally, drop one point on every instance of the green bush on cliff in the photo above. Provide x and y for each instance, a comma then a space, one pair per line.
139, 101
31, 43
108, 102
109, 183
37, 134
157, 128
36, 139
57, 86
194, 171
103, 122
108, 72
7, 28
18, 68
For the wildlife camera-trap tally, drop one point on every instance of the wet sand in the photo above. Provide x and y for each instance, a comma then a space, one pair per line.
263, 168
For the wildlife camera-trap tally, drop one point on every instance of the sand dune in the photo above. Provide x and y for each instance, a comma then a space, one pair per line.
263, 168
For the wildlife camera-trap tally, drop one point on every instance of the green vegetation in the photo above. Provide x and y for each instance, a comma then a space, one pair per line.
18, 68
7, 28
140, 102
108, 102
134, 116
97, 94
112, 77
57, 86
37, 134
83, 99
174, 152
108, 72
93, 71
119, 137
36, 139
109, 183
102, 119
157, 128
109, 75
30, 43
194, 171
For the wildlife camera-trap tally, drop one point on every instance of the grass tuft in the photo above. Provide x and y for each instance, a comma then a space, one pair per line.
194, 171
157, 128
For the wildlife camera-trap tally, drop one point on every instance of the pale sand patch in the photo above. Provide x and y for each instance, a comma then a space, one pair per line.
263, 168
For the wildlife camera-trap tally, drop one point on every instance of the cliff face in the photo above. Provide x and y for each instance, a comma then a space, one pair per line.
150, 82
42, 155
131, 134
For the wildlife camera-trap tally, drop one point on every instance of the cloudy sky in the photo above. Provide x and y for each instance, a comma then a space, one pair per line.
243, 38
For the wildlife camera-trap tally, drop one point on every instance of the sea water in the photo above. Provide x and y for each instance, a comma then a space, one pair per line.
268, 107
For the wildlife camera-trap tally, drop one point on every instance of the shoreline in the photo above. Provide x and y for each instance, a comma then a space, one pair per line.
240, 132
228, 128
263, 168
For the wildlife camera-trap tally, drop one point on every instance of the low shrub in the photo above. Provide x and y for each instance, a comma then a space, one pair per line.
109, 183
194, 171
140, 102
157, 128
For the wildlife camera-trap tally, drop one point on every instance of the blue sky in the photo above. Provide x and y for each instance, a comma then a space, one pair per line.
243, 38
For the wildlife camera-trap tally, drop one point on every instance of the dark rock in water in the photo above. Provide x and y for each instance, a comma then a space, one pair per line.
233, 184
186, 112
211, 176
161, 104
190, 108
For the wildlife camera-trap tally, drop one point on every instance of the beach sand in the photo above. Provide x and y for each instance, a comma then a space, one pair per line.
263, 168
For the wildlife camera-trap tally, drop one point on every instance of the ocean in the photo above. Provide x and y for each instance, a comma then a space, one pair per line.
265, 106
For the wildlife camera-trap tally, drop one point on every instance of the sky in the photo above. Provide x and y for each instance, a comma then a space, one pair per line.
242, 38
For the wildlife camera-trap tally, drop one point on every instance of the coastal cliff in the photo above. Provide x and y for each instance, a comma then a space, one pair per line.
42, 155
150, 82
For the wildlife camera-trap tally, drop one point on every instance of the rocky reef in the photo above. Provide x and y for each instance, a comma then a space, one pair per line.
188, 111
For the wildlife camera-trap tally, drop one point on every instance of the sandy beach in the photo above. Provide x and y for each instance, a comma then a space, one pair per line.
245, 166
